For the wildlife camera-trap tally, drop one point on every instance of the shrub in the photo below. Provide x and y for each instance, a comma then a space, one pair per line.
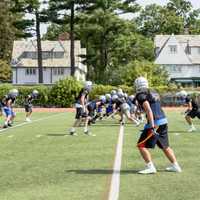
64, 92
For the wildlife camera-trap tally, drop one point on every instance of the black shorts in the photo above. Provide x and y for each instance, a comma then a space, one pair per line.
148, 140
80, 114
91, 111
193, 114
28, 108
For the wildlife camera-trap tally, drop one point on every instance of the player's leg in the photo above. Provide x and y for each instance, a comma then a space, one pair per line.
78, 118
28, 111
163, 143
146, 141
190, 115
8, 114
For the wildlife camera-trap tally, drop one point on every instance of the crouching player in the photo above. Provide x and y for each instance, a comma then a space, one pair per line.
191, 112
156, 129
8, 103
81, 110
28, 104
93, 107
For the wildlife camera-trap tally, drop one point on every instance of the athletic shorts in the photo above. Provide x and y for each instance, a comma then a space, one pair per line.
28, 108
91, 111
8, 112
149, 140
193, 114
80, 114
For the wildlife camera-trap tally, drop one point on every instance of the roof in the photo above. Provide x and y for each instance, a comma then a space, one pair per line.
51, 46
181, 41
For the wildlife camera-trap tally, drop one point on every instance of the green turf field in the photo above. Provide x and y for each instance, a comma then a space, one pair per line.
39, 161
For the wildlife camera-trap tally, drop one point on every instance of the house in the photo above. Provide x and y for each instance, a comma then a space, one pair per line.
180, 56
56, 61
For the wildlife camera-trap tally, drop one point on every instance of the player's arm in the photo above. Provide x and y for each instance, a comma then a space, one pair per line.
189, 105
82, 102
148, 111
9, 103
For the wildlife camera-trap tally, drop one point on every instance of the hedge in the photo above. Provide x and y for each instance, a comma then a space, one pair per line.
63, 93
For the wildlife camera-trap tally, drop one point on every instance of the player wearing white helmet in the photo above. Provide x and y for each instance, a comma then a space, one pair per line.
95, 109
156, 129
80, 105
28, 104
192, 111
109, 105
8, 103
113, 92
122, 107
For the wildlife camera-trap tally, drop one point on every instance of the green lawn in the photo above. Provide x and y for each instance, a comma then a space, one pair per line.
163, 185
39, 161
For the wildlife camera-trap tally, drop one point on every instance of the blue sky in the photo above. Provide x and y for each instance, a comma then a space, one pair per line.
195, 3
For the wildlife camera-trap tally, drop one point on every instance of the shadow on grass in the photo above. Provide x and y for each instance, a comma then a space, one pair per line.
101, 171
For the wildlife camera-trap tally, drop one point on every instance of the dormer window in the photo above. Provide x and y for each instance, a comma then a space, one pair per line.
173, 49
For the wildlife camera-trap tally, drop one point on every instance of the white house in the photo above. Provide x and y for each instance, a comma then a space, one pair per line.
180, 56
56, 61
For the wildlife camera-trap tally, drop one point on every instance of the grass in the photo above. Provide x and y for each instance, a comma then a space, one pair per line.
163, 185
39, 161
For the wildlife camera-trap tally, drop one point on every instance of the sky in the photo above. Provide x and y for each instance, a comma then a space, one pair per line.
195, 3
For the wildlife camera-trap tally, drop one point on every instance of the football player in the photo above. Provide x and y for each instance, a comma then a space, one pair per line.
156, 130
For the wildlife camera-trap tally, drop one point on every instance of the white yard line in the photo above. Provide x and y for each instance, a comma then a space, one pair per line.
115, 182
27, 123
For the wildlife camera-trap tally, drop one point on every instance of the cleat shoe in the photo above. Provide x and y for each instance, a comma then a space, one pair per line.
192, 129
10, 125
28, 120
5, 126
88, 133
72, 133
150, 169
174, 168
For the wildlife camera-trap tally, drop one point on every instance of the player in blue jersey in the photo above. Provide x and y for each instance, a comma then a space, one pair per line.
156, 130
8, 103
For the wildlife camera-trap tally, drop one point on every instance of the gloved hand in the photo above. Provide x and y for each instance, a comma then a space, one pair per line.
154, 132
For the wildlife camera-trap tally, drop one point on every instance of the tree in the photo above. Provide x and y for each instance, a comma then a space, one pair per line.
5, 71
32, 7
155, 19
6, 31
155, 74
63, 12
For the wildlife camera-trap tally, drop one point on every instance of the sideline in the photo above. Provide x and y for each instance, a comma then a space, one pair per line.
27, 123
115, 182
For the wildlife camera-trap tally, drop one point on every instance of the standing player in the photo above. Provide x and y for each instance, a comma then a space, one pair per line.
8, 103
191, 112
28, 104
81, 110
156, 129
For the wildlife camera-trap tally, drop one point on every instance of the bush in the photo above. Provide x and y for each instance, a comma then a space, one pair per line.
63, 93
42, 99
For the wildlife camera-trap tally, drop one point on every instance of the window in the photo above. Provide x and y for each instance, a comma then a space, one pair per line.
176, 68
199, 50
46, 54
30, 72
58, 54
58, 71
173, 49
30, 55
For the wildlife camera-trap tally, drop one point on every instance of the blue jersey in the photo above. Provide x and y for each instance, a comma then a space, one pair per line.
154, 101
